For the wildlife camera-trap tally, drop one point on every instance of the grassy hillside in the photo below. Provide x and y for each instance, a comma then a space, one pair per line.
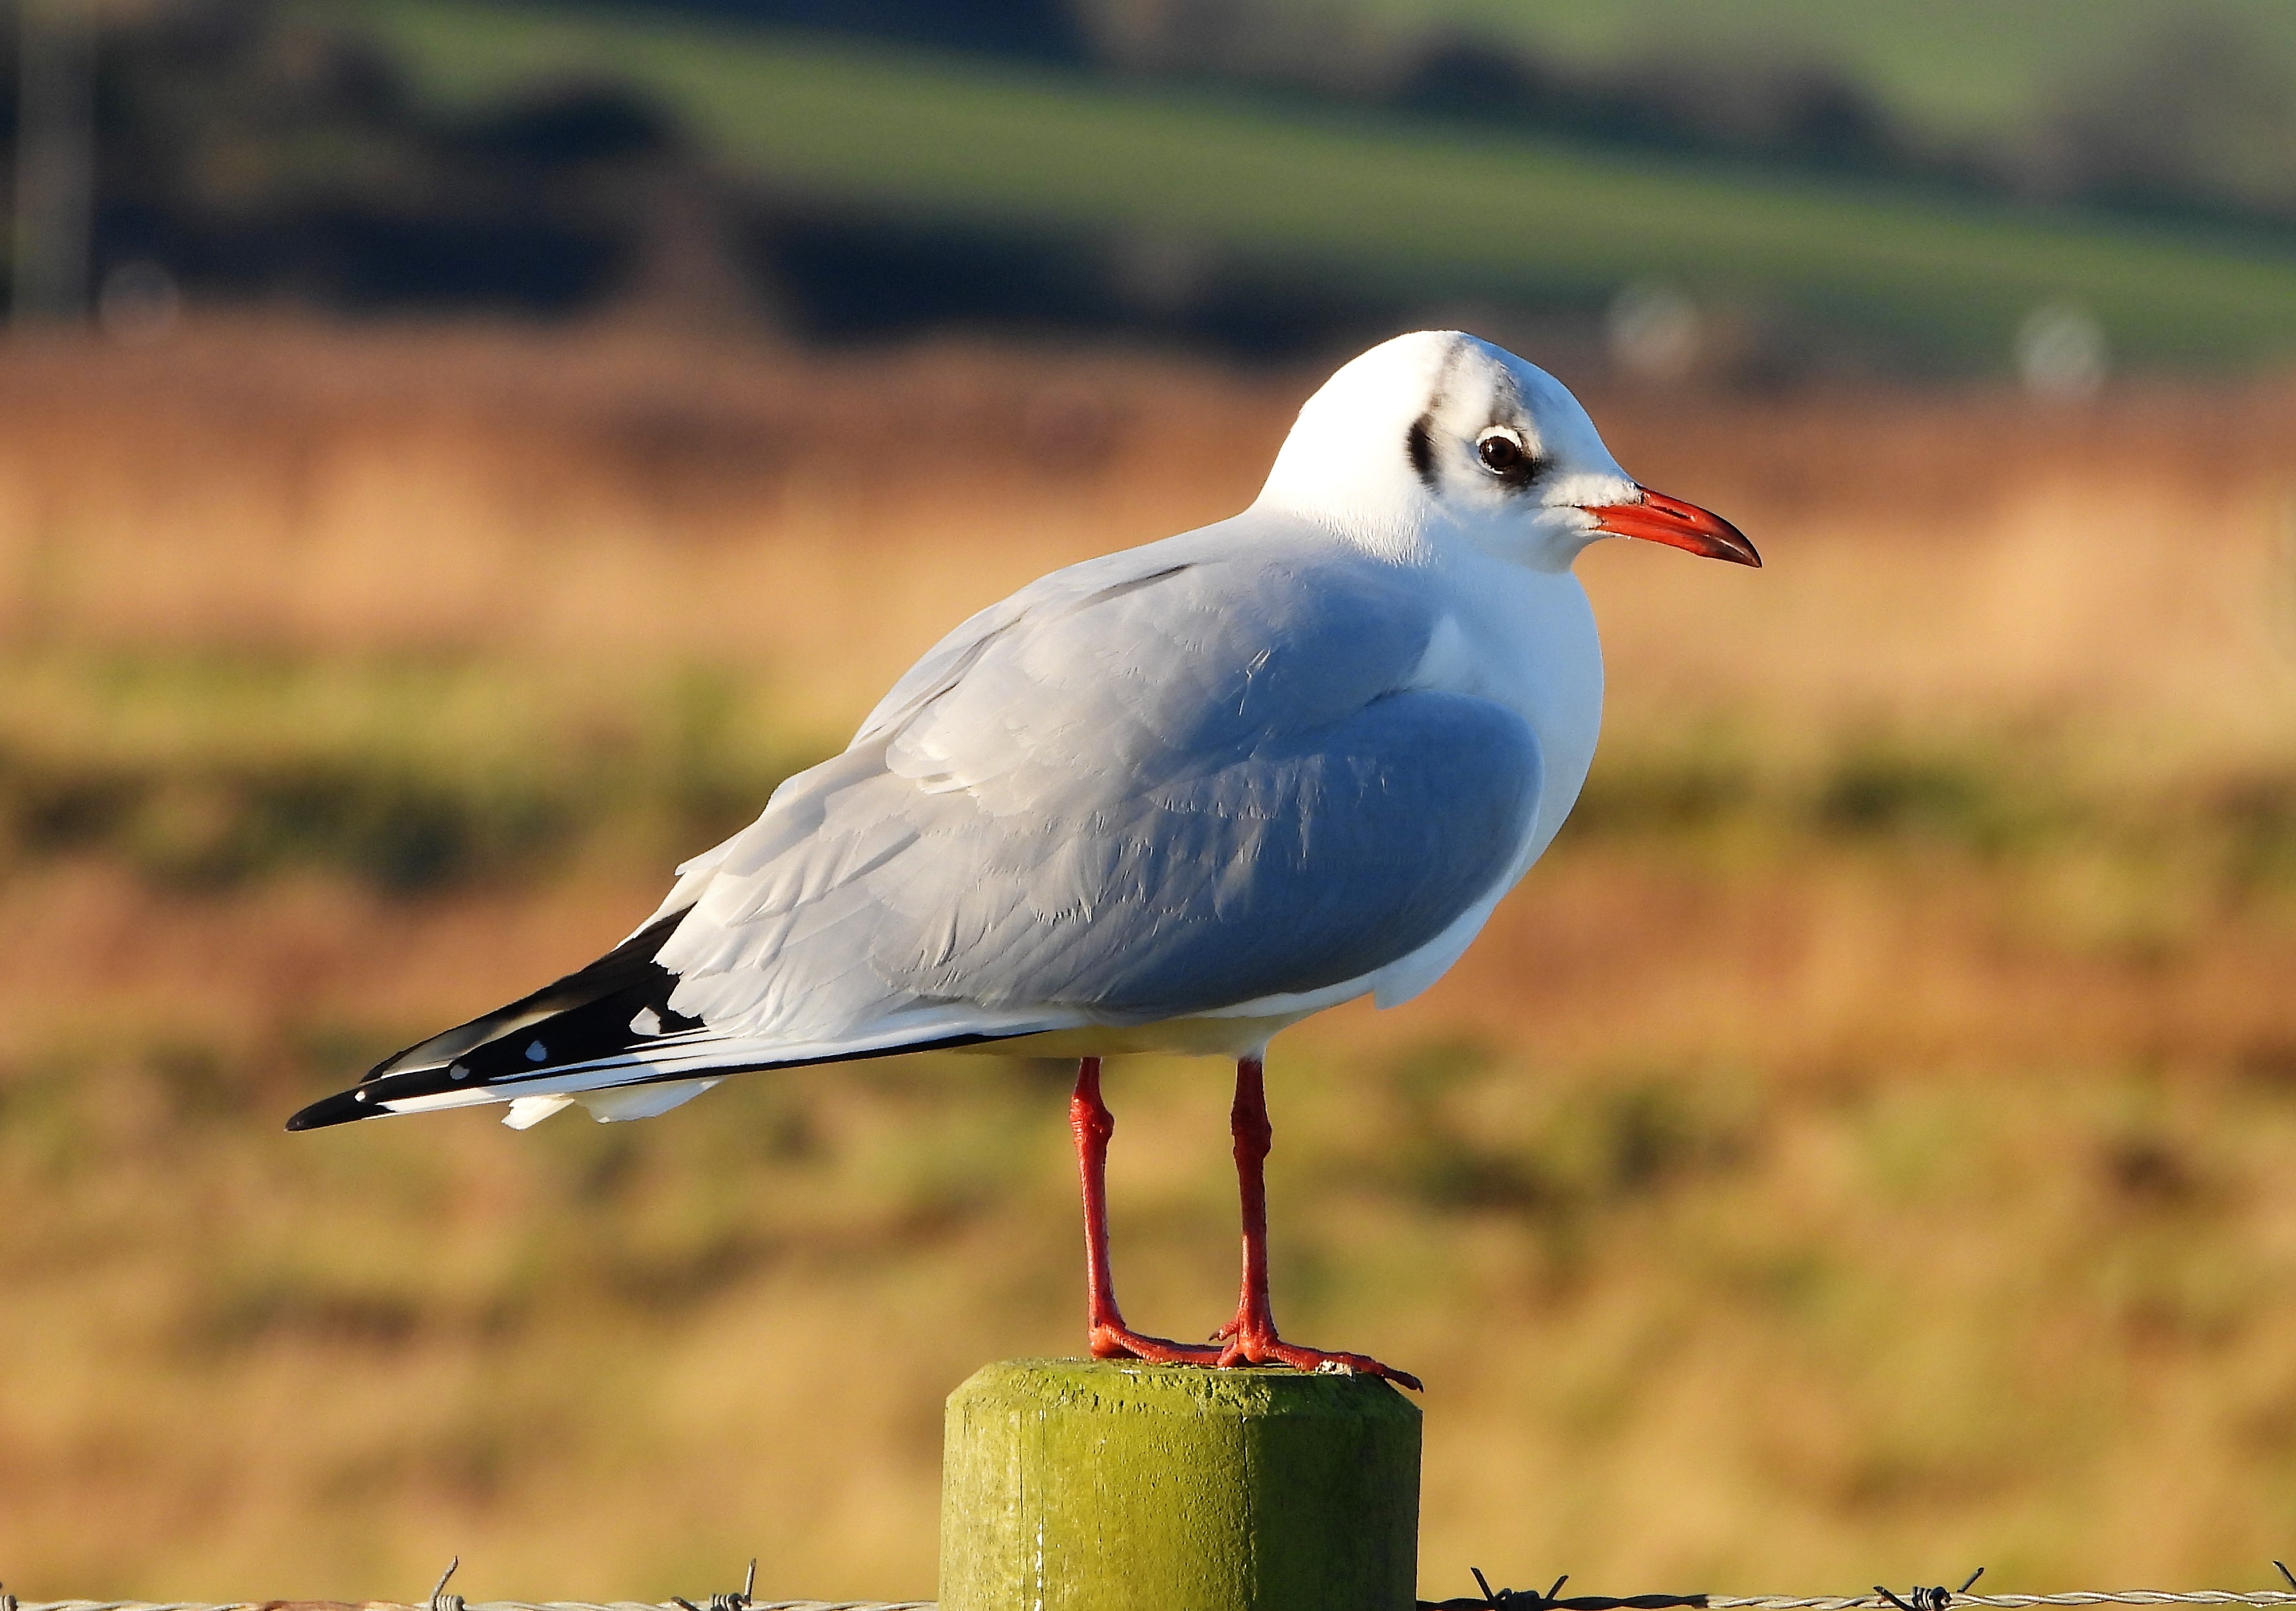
1403, 211
1950, 68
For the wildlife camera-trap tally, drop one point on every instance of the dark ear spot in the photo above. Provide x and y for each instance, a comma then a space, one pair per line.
1419, 442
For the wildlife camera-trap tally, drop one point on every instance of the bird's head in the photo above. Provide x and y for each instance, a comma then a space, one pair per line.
1438, 435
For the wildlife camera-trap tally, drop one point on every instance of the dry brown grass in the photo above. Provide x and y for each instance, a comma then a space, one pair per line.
1860, 1149
818, 519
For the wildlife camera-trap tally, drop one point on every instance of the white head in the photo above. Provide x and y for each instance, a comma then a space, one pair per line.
1436, 434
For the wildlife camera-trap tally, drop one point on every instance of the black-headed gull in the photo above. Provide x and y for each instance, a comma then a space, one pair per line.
1174, 799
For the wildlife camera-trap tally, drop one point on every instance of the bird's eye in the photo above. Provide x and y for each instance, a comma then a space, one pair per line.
1502, 454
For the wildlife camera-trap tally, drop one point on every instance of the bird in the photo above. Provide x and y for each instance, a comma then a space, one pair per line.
1175, 799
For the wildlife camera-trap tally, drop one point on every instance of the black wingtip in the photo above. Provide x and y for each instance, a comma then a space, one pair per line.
340, 1108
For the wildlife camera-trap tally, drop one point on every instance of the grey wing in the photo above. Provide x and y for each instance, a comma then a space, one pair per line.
1179, 791
1305, 861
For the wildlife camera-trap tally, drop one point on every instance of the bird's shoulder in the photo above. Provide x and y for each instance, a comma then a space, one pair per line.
1266, 619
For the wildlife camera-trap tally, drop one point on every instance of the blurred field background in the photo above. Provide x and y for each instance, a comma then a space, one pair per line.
485, 447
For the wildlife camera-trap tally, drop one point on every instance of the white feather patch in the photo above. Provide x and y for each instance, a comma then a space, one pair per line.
528, 1111
639, 1102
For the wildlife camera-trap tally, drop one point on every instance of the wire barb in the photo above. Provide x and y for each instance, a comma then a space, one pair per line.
1936, 1597
1531, 1599
740, 1601
440, 1601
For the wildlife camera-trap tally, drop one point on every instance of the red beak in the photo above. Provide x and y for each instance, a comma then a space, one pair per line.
1658, 519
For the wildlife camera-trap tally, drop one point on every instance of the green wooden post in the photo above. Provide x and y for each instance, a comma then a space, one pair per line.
1110, 1485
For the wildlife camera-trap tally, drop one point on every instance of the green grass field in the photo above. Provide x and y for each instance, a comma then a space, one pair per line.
1948, 69
1414, 212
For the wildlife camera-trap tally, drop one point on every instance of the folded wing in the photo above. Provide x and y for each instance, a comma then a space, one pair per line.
1183, 791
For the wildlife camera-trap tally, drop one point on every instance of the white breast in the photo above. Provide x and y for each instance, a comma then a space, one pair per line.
1525, 639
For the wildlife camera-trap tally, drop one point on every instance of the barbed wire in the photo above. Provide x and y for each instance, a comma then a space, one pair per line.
1500, 1598
475, 1604
1509, 1599
1920, 1597
743, 1599
1935, 1597
2085, 1597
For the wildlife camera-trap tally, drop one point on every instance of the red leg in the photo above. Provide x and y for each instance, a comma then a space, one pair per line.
1250, 1337
1107, 1335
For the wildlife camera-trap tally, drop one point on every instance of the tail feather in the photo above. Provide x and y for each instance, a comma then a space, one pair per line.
606, 1027
614, 1006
